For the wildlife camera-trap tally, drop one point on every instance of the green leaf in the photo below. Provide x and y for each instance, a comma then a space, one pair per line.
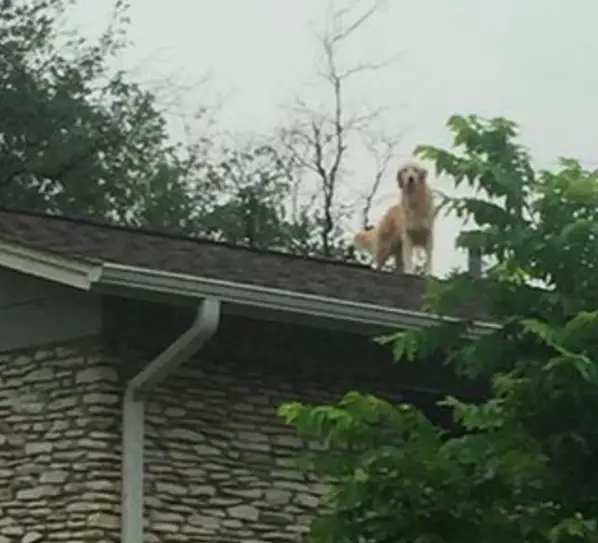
542, 330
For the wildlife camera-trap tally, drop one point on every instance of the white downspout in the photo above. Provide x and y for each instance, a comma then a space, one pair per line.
133, 424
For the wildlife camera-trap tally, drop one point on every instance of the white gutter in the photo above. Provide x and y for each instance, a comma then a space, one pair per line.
192, 286
133, 423
47, 265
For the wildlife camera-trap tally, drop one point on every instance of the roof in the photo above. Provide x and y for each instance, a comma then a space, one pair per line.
90, 255
179, 254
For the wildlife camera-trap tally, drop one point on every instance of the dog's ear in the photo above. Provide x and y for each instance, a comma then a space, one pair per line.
400, 177
423, 174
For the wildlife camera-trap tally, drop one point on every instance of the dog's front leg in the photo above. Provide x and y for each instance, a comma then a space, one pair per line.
407, 254
383, 252
429, 252
398, 256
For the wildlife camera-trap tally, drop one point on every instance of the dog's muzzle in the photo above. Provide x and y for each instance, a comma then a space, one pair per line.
411, 183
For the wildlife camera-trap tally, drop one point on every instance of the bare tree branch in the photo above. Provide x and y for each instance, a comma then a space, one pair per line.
318, 141
383, 150
364, 67
351, 28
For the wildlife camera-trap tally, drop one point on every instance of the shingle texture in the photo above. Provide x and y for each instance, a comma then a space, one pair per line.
83, 239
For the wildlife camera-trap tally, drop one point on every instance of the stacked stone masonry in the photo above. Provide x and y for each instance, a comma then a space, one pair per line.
59, 447
219, 463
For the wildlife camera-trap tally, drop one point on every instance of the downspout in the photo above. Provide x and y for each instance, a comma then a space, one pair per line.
133, 424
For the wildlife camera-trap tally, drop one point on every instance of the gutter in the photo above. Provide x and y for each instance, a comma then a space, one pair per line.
133, 423
86, 274
192, 286
47, 265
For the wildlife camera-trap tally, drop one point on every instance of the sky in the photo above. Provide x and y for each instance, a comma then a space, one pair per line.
531, 61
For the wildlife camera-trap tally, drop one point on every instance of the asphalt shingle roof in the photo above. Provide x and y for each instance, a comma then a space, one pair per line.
78, 238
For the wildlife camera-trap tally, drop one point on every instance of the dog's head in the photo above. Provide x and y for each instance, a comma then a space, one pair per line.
412, 177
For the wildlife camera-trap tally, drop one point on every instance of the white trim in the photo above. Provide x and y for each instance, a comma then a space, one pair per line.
271, 298
46, 265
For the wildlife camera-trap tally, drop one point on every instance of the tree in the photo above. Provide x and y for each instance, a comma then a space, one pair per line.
318, 138
521, 462
249, 201
248, 195
76, 137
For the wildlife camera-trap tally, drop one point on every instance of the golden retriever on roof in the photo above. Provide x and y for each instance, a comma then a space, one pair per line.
405, 226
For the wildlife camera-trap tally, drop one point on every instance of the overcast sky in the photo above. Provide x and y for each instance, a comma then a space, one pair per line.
533, 61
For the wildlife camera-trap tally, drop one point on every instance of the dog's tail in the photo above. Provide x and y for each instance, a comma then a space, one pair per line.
364, 239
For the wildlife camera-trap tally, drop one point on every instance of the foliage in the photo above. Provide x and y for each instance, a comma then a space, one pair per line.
521, 464
247, 196
76, 137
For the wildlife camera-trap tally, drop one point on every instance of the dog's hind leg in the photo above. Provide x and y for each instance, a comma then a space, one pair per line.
383, 253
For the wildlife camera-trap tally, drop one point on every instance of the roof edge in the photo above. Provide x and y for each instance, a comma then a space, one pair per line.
47, 265
85, 275
192, 286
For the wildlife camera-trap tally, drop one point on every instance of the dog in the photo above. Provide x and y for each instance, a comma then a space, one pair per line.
417, 215
383, 241
405, 226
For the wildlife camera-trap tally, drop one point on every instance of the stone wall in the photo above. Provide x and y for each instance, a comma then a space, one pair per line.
59, 441
218, 460
220, 465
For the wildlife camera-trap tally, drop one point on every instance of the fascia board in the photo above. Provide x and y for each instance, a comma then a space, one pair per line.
177, 284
